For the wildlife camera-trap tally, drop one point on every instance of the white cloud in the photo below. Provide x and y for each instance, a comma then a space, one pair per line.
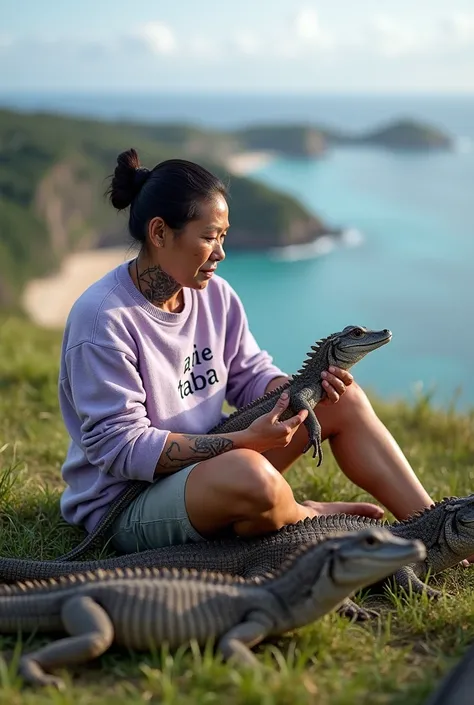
390, 38
307, 27
200, 47
157, 37
247, 42
302, 35
457, 29
301, 46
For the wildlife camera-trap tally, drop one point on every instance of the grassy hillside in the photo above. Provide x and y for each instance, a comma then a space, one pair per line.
332, 662
53, 174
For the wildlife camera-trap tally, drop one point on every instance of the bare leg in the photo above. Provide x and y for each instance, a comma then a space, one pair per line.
365, 451
242, 489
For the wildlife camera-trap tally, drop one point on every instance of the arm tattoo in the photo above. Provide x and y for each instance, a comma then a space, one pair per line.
193, 449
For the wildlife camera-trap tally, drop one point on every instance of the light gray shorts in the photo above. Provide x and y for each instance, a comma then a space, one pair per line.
156, 518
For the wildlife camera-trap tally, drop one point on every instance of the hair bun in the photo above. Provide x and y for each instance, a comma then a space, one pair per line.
127, 180
142, 174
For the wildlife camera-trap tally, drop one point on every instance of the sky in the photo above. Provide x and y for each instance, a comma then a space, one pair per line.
377, 46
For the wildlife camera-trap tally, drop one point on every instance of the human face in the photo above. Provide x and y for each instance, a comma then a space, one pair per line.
192, 256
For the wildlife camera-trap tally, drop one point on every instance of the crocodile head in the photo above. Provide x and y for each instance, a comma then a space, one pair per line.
446, 529
353, 343
343, 349
318, 577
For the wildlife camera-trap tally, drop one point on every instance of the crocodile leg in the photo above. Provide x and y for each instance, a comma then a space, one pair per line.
298, 402
350, 610
91, 631
238, 641
408, 580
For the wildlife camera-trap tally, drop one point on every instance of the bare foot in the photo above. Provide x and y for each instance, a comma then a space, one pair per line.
361, 508
467, 562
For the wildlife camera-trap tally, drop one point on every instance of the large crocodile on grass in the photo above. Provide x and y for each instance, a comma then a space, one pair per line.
446, 529
343, 349
144, 608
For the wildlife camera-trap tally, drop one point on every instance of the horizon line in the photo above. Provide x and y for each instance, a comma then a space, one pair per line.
260, 92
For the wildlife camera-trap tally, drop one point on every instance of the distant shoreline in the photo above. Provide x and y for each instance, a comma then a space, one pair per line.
245, 163
48, 301
322, 245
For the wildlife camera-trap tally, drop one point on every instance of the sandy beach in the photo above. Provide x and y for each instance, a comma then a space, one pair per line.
245, 163
48, 301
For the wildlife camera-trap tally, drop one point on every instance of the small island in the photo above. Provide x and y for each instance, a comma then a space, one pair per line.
313, 142
407, 135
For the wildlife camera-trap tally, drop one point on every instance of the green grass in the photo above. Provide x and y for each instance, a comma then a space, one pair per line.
396, 660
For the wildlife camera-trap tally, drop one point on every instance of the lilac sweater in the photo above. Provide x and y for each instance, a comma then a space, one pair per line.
131, 373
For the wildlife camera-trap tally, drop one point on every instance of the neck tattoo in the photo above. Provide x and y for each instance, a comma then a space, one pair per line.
158, 287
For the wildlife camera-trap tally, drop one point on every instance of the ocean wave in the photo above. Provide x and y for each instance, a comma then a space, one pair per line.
351, 237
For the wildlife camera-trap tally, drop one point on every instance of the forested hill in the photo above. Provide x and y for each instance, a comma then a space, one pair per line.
53, 176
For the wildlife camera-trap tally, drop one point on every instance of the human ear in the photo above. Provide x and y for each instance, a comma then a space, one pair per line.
157, 232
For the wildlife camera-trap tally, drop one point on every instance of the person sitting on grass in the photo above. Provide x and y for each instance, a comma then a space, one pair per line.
150, 353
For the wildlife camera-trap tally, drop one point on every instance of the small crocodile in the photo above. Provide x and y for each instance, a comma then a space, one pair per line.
144, 608
343, 349
457, 687
446, 529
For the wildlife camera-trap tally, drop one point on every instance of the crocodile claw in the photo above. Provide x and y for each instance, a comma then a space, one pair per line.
320, 455
32, 672
352, 611
317, 450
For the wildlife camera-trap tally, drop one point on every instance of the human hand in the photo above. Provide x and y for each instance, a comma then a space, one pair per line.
269, 432
335, 381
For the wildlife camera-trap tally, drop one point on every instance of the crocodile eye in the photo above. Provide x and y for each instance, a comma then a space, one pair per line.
371, 541
357, 332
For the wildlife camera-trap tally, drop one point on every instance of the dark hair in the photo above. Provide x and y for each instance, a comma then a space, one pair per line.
172, 190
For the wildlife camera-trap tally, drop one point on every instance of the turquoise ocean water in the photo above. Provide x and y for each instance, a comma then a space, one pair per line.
413, 271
